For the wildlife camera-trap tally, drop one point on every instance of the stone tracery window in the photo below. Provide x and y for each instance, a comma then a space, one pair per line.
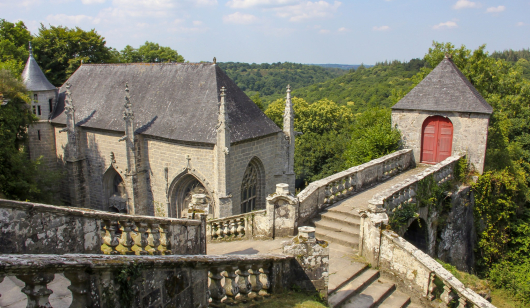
251, 188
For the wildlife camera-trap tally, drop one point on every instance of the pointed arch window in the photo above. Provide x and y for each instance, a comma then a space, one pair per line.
251, 187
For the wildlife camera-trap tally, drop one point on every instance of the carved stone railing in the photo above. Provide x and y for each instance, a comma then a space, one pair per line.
40, 228
405, 192
244, 226
418, 272
325, 192
150, 281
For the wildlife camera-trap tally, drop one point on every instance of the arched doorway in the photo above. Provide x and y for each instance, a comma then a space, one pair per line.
252, 187
183, 189
115, 192
416, 234
437, 139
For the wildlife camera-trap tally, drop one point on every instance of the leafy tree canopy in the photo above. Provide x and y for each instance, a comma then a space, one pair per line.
14, 38
61, 50
149, 52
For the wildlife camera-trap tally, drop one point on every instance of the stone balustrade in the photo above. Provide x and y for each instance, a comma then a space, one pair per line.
149, 281
405, 192
323, 193
418, 272
40, 228
244, 226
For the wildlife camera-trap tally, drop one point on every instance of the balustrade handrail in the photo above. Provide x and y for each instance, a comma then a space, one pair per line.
236, 216
434, 267
381, 199
90, 213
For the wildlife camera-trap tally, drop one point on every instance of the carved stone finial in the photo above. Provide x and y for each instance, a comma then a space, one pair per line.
447, 55
223, 92
68, 102
127, 113
214, 60
30, 49
288, 88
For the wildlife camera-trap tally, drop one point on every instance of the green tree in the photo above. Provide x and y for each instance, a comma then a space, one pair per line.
14, 38
61, 50
258, 101
20, 178
149, 53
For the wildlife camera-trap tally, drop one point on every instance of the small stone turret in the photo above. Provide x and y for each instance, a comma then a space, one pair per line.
288, 130
222, 153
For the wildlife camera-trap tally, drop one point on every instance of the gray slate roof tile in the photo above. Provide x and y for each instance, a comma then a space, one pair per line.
178, 101
445, 89
34, 78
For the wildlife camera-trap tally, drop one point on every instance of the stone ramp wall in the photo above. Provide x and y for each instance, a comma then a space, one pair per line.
40, 228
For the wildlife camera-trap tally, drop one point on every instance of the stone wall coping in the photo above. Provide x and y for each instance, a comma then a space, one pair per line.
433, 266
24, 262
89, 213
260, 212
313, 186
380, 198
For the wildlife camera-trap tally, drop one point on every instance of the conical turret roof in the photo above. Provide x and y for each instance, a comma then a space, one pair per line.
33, 77
445, 89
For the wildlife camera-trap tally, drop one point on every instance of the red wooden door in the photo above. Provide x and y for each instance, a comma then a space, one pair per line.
437, 139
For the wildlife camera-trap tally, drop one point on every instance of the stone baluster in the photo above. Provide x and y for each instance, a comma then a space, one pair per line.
217, 292
107, 283
36, 288
243, 282
144, 236
127, 236
461, 301
241, 227
114, 236
231, 286
327, 194
266, 280
166, 243
155, 233
432, 286
257, 286
233, 227
79, 286
447, 296
226, 228
342, 189
219, 231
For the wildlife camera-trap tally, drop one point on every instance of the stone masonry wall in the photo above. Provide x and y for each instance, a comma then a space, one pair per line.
41, 142
470, 133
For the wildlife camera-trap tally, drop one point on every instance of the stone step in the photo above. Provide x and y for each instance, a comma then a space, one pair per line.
396, 300
340, 277
371, 296
332, 225
341, 238
342, 215
352, 287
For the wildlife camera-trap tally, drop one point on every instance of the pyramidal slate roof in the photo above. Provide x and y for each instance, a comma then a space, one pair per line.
178, 101
445, 89
33, 77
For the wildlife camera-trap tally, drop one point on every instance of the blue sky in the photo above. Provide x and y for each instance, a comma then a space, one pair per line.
302, 31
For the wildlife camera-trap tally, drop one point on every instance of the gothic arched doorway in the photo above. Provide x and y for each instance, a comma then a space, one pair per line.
115, 196
252, 187
437, 139
183, 189
416, 234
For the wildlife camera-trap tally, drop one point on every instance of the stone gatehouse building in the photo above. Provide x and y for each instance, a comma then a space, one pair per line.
142, 138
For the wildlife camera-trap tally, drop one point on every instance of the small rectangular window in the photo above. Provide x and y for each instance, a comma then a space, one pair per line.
34, 109
35, 98
38, 108
38, 133
50, 101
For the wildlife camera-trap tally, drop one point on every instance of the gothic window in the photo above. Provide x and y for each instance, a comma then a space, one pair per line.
251, 188
115, 192
184, 188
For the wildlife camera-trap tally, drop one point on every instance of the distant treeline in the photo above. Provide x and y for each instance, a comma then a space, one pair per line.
521, 57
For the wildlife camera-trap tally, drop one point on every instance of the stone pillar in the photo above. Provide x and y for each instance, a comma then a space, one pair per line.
74, 160
282, 212
311, 265
222, 161
288, 130
371, 225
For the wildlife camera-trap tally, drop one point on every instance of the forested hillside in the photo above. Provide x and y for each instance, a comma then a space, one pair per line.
521, 57
270, 80
365, 88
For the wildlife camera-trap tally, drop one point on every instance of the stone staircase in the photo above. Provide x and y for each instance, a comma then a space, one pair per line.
366, 289
339, 225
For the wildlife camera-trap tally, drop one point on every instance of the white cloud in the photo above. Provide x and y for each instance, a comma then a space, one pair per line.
308, 10
445, 25
205, 2
239, 18
343, 29
197, 23
465, 4
520, 24
69, 20
382, 28
244, 4
323, 31
497, 9
92, 1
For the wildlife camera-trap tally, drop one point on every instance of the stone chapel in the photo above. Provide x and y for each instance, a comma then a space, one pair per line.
142, 138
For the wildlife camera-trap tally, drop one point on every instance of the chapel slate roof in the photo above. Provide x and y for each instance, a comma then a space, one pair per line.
445, 89
178, 101
34, 78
